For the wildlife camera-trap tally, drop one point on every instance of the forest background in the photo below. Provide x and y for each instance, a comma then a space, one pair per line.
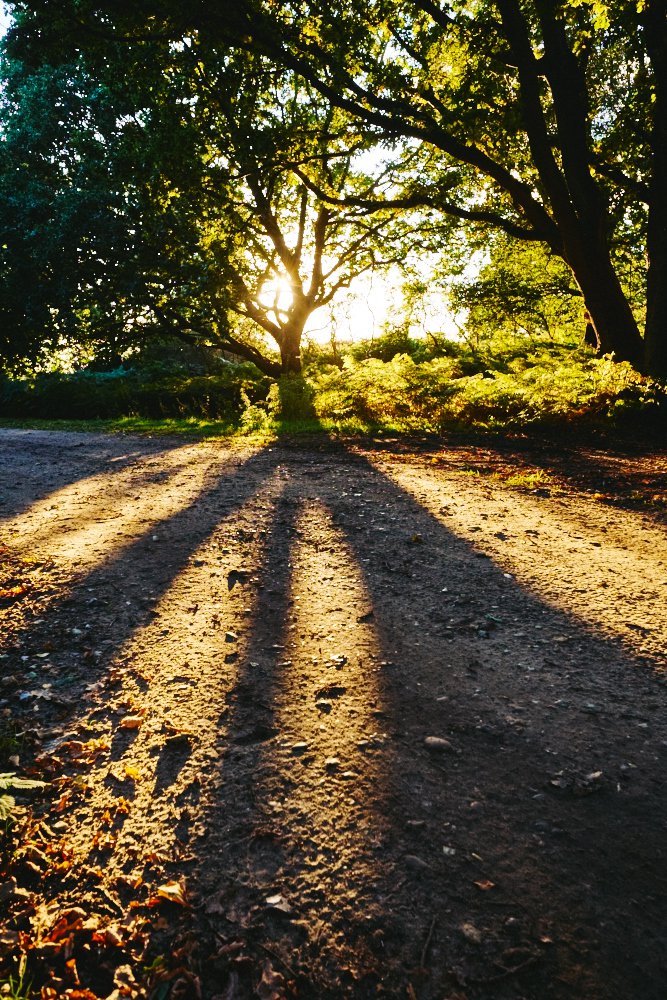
195, 204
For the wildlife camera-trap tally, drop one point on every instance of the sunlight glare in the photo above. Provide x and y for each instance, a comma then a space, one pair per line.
276, 296
375, 303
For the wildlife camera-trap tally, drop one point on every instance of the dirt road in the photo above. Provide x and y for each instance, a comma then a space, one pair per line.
328, 721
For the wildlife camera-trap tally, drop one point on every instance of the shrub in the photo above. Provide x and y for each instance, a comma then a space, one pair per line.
142, 393
400, 392
556, 386
291, 398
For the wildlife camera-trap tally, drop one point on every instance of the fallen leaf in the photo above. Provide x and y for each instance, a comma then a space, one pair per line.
110, 936
484, 884
70, 921
272, 985
9, 593
62, 801
104, 840
173, 892
131, 722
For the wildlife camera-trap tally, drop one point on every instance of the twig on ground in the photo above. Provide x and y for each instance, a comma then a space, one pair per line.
427, 944
506, 973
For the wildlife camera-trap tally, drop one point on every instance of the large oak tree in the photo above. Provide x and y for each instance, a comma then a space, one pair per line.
167, 173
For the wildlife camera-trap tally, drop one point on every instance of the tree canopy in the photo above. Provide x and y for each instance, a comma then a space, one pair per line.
537, 119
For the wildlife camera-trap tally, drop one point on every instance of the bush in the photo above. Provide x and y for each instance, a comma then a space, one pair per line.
125, 393
398, 341
557, 386
292, 398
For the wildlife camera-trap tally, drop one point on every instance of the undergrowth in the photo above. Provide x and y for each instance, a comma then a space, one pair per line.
560, 387
373, 390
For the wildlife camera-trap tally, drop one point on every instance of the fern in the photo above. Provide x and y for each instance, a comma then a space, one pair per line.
7, 802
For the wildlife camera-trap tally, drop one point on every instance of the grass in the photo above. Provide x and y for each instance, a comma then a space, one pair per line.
199, 428
19, 988
528, 480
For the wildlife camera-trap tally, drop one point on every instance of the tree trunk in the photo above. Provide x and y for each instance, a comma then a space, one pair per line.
605, 300
290, 346
290, 362
578, 205
655, 358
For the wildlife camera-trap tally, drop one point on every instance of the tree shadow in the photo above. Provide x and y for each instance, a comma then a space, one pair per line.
60, 460
145, 571
521, 857
517, 860
627, 474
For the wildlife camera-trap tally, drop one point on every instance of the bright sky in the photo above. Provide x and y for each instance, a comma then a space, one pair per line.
373, 301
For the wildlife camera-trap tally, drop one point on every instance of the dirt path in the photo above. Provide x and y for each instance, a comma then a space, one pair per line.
328, 722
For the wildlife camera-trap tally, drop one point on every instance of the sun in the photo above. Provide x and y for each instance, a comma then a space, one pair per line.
276, 296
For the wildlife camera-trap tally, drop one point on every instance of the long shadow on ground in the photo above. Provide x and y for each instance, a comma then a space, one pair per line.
523, 859
57, 461
520, 862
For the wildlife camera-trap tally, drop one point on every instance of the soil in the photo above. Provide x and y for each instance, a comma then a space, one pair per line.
326, 719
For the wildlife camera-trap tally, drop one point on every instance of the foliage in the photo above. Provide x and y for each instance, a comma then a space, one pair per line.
543, 120
392, 342
507, 384
159, 191
561, 385
10, 782
521, 291
171, 166
152, 391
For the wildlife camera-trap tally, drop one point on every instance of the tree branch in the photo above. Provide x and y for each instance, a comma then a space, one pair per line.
428, 201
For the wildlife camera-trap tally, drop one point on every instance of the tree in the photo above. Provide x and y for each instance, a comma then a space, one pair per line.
520, 291
546, 117
282, 253
198, 163
81, 261
515, 97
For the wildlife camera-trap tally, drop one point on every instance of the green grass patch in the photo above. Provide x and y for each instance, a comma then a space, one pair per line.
529, 480
195, 427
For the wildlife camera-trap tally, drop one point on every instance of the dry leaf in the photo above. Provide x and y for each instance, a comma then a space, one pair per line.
10, 592
131, 722
104, 840
271, 985
109, 936
62, 801
173, 892
484, 884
